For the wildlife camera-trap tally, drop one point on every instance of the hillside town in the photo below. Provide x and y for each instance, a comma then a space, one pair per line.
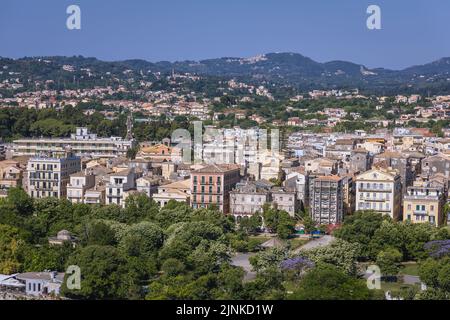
289, 169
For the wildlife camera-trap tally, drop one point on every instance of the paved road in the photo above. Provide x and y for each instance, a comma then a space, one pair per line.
242, 260
408, 279
321, 242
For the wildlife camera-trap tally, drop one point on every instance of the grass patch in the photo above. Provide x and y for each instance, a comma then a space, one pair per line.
396, 286
297, 243
410, 269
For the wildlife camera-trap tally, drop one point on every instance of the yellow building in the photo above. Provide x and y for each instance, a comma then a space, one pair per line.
424, 203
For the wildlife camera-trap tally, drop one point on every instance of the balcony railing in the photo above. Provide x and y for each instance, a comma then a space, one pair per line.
371, 189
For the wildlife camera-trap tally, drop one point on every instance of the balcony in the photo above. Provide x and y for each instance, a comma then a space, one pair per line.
371, 189
420, 212
373, 199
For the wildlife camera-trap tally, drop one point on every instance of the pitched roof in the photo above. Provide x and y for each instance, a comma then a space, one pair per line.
218, 168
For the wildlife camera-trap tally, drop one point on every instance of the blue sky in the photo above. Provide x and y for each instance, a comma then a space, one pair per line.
413, 31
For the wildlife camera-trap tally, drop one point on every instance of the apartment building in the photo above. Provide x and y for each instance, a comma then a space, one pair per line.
79, 183
379, 190
424, 203
95, 196
402, 163
82, 143
326, 200
284, 200
248, 198
49, 176
298, 181
211, 186
348, 193
118, 184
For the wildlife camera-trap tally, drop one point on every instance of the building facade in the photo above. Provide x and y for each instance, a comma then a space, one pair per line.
379, 190
82, 143
424, 203
118, 184
284, 200
79, 183
247, 200
326, 200
211, 186
48, 177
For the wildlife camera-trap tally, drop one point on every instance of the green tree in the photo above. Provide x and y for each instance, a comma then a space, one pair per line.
142, 240
435, 273
327, 282
104, 274
250, 225
270, 258
340, 253
173, 267
99, 233
389, 261
268, 285
10, 246
360, 228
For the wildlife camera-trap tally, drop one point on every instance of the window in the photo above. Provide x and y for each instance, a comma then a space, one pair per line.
210, 180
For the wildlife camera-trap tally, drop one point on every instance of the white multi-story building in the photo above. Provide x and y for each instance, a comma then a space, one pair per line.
95, 196
79, 183
118, 184
48, 177
82, 143
249, 199
379, 190
147, 186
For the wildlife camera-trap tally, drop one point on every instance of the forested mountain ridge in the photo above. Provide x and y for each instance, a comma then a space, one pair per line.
291, 69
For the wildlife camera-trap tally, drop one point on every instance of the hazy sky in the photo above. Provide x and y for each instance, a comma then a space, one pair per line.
413, 31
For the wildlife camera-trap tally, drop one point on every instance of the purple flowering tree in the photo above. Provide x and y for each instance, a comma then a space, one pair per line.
438, 248
296, 266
